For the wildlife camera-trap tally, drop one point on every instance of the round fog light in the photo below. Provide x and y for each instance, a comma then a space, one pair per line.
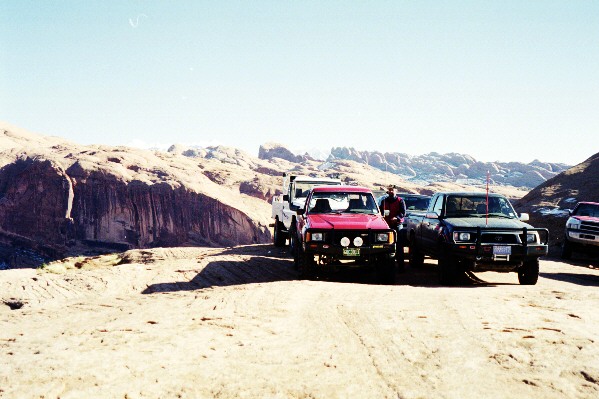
358, 241
345, 242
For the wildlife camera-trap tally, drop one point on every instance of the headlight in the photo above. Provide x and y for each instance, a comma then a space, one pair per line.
315, 237
573, 224
388, 238
457, 236
532, 237
382, 237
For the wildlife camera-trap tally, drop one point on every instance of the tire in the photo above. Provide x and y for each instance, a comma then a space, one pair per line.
447, 268
279, 237
294, 250
400, 260
306, 265
292, 238
416, 258
528, 273
385, 271
566, 249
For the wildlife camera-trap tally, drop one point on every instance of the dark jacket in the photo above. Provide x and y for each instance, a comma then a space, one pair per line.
397, 210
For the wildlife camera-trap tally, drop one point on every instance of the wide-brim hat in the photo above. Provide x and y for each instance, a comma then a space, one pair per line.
390, 187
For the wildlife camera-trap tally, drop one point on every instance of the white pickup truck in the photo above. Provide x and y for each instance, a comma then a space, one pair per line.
284, 206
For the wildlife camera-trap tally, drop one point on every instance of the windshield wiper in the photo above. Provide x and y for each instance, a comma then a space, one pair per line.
499, 215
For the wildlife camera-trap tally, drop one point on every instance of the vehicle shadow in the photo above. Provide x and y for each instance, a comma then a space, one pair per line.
589, 280
267, 263
582, 261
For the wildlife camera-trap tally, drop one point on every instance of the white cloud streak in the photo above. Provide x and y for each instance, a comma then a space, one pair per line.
135, 23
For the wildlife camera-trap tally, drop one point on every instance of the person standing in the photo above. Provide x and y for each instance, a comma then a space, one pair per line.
394, 218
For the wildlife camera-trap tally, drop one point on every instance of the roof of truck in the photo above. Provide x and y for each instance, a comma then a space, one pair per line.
471, 193
315, 179
341, 189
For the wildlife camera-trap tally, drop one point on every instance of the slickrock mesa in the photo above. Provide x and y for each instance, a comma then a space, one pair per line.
60, 198
452, 167
275, 150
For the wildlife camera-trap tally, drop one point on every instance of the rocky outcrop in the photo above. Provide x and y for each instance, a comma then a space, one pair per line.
138, 214
274, 150
64, 199
45, 207
453, 167
36, 197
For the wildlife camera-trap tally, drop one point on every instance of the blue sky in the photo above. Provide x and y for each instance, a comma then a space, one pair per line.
498, 80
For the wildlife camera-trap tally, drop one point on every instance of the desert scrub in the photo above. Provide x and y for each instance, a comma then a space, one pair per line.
81, 262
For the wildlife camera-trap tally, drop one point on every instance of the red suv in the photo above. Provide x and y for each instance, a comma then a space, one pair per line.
340, 227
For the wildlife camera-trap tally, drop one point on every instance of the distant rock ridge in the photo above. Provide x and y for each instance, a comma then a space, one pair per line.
433, 167
453, 167
275, 150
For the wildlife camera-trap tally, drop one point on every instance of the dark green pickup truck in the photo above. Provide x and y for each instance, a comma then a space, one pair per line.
476, 232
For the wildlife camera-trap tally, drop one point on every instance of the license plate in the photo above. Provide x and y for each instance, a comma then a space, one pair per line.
502, 250
351, 251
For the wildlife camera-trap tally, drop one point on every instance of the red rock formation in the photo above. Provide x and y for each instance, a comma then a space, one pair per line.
56, 211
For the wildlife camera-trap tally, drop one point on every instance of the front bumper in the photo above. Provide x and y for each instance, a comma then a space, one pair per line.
487, 256
483, 258
582, 238
350, 253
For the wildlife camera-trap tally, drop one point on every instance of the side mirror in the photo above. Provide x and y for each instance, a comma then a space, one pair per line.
286, 197
524, 217
431, 215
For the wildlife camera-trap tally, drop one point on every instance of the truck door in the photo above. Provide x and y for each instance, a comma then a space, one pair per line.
288, 213
430, 226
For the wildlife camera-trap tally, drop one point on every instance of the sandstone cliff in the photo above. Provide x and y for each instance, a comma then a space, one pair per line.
60, 198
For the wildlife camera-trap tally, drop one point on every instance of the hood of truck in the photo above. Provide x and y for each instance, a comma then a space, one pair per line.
346, 221
586, 218
493, 223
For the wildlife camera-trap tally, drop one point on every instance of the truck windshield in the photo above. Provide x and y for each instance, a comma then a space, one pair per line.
343, 203
473, 206
303, 188
587, 210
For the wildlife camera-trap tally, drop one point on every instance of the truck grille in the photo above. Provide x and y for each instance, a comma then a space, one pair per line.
589, 228
351, 234
499, 238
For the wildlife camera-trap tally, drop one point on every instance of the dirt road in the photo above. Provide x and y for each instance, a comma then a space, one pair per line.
236, 323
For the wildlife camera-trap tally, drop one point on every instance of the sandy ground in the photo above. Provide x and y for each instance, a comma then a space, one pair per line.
237, 323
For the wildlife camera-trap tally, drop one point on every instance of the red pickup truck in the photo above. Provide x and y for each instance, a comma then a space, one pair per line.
582, 230
341, 227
